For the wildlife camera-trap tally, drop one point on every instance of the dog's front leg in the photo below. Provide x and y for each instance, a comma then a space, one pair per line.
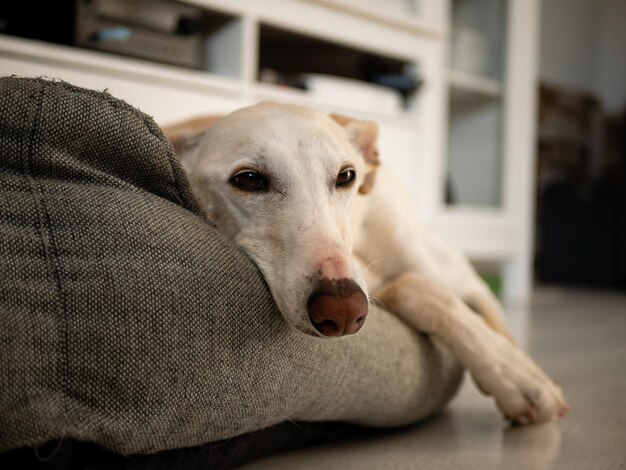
521, 389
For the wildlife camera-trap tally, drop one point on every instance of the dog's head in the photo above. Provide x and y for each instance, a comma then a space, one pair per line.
280, 181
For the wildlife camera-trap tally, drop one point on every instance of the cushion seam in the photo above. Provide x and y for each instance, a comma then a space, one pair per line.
50, 249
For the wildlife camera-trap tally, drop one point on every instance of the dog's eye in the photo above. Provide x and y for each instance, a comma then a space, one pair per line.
346, 177
249, 180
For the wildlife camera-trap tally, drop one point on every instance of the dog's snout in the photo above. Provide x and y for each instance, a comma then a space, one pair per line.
337, 307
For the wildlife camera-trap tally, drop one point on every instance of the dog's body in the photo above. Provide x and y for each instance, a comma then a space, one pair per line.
281, 181
409, 247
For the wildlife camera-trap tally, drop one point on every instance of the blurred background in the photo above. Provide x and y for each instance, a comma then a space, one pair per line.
581, 151
505, 118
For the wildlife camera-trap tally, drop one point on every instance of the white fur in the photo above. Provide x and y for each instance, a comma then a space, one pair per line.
305, 227
300, 226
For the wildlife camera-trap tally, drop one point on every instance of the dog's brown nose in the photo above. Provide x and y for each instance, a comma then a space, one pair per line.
338, 307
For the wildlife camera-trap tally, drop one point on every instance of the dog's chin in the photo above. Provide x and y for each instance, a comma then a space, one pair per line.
307, 329
311, 332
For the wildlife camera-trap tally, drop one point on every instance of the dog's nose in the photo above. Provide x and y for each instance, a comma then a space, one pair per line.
337, 307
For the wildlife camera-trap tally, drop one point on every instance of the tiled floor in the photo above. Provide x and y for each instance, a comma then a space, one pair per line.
580, 339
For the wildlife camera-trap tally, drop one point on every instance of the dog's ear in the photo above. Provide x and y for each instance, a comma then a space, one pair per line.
186, 135
364, 136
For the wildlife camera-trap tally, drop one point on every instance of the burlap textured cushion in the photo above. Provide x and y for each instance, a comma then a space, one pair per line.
126, 320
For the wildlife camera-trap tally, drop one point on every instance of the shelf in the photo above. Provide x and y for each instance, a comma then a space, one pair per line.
485, 234
109, 64
468, 83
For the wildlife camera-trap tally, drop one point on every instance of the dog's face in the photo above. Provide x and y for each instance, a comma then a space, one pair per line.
280, 180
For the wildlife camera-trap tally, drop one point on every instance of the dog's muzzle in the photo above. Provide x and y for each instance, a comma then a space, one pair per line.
337, 307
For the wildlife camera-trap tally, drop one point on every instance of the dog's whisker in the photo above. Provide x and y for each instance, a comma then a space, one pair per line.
375, 302
378, 260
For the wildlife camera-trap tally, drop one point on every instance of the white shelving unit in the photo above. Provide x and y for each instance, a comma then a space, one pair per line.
414, 140
488, 160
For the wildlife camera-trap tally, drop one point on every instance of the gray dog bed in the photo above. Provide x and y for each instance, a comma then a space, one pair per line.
127, 321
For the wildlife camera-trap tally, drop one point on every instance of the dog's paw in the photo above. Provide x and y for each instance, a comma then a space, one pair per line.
523, 392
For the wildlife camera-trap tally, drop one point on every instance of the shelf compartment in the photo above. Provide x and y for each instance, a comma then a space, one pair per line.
479, 37
162, 31
288, 58
475, 152
477, 99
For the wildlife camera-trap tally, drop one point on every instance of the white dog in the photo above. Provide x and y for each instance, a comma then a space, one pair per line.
305, 196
